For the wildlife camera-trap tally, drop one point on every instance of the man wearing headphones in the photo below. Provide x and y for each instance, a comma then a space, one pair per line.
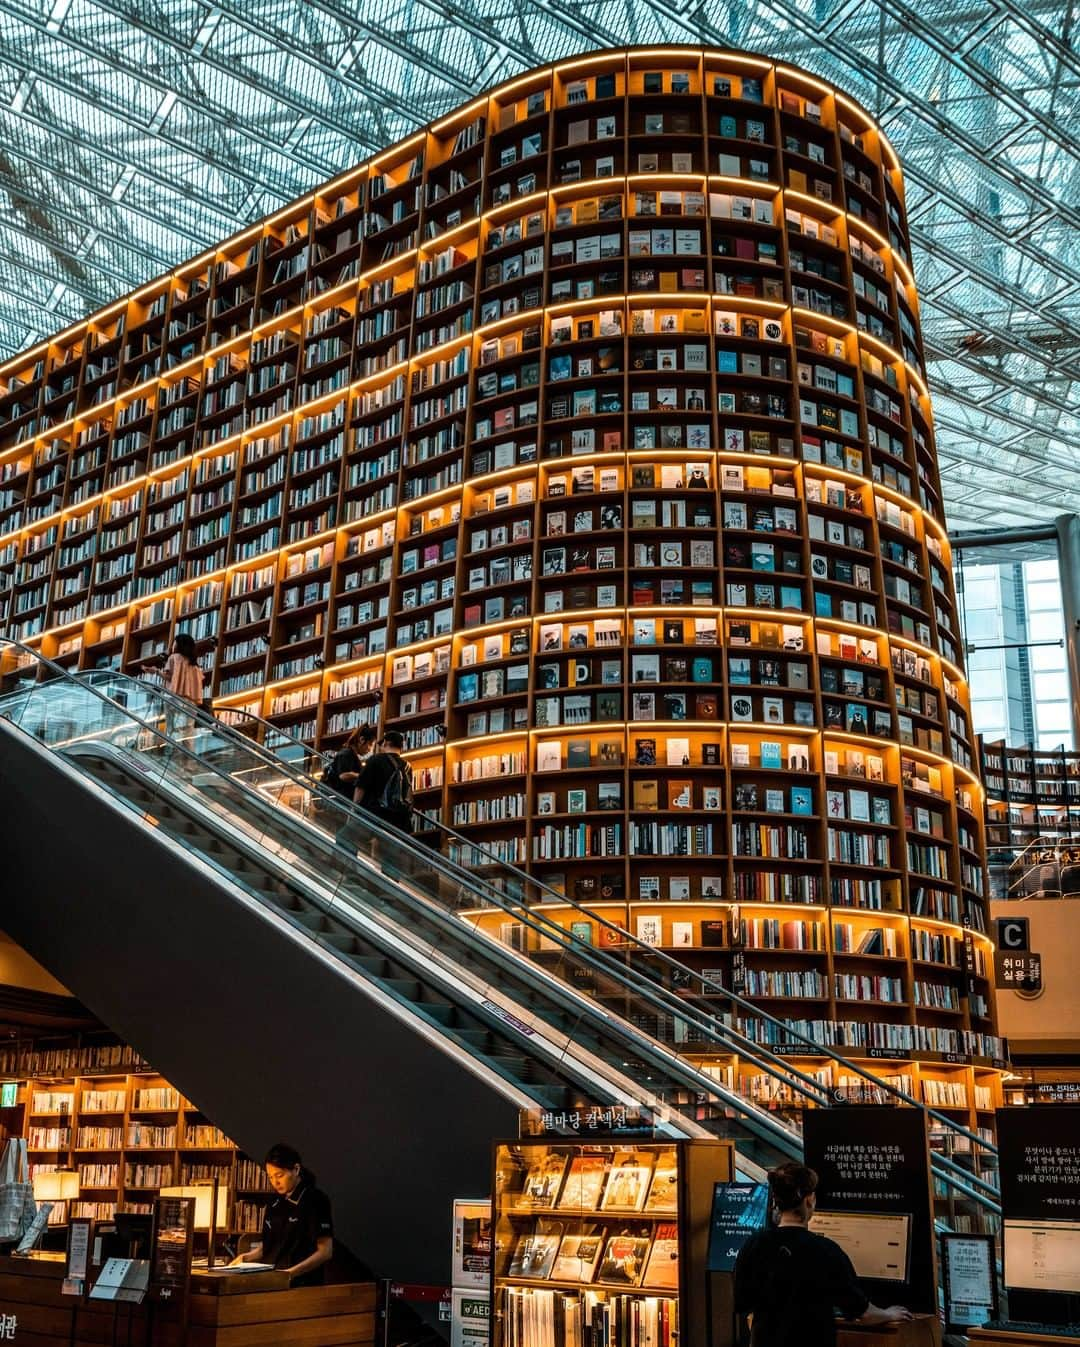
792, 1281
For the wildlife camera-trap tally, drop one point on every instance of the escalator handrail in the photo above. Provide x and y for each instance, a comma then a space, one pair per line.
776, 1067
773, 1065
759, 1124
285, 736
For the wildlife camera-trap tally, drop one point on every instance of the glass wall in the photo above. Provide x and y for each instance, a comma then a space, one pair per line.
1019, 692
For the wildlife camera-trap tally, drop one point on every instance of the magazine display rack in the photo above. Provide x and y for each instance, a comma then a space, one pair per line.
604, 1241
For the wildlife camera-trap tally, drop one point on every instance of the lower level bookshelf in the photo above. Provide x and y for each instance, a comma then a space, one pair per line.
127, 1135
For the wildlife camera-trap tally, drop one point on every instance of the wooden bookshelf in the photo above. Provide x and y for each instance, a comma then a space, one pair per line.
1032, 818
129, 1133
590, 1233
584, 437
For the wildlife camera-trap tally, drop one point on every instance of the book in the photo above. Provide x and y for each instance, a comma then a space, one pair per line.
542, 1182
624, 1260
663, 1189
577, 1258
662, 1268
584, 1182
628, 1181
534, 1255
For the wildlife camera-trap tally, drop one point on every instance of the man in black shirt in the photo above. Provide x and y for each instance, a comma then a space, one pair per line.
792, 1281
384, 786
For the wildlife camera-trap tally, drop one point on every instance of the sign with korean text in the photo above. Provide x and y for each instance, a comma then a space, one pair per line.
170, 1259
593, 1120
875, 1159
78, 1256
1017, 972
969, 1281
1039, 1163
1039, 1157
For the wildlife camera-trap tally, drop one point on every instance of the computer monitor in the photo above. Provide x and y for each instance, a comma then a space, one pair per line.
1043, 1255
127, 1235
738, 1210
876, 1242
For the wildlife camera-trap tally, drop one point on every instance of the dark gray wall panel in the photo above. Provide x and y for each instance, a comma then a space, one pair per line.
257, 1032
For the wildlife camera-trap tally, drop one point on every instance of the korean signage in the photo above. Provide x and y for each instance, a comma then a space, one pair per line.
1040, 1163
78, 1257
1052, 1092
969, 1281
875, 1159
1017, 972
594, 1120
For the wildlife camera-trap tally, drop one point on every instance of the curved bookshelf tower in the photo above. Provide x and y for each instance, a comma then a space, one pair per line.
589, 426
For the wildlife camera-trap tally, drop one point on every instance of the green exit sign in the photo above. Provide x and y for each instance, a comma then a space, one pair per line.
9, 1092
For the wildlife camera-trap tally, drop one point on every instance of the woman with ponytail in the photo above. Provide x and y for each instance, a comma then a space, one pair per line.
298, 1231
791, 1281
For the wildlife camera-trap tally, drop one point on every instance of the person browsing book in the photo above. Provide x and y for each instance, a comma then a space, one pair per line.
792, 1281
298, 1230
384, 787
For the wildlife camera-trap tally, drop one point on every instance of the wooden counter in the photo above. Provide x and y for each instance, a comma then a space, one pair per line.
251, 1309
922, 1331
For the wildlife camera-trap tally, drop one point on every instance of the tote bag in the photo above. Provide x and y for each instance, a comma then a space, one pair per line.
17, 1205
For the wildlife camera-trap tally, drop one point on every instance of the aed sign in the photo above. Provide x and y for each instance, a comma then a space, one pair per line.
471, 1323
1012, 934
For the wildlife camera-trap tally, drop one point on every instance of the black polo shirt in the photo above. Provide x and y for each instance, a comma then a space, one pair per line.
793, 1281
292, 1228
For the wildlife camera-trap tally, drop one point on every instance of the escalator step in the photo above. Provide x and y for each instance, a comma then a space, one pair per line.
479, 1039
344, 942
407, 989
374, 964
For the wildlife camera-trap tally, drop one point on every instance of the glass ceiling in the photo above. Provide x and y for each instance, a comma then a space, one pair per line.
136, 132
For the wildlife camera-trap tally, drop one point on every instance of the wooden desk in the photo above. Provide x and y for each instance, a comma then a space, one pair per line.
922, 1331
251, 1309
1003, 1337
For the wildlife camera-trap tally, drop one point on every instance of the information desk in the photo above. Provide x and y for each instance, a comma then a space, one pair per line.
252, 1309
922, 1331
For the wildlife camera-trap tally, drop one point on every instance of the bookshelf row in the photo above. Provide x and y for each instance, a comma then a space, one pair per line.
276, 494
865, 981
1032, 820
584, 438
127, 1135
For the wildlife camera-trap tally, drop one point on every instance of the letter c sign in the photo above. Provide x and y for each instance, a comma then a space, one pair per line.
1012, 933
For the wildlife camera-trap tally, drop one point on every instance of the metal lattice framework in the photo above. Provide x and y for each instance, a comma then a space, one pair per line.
136, 132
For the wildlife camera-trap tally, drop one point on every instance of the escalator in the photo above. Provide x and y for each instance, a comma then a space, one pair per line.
296, 991
964, 1164
290, 989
